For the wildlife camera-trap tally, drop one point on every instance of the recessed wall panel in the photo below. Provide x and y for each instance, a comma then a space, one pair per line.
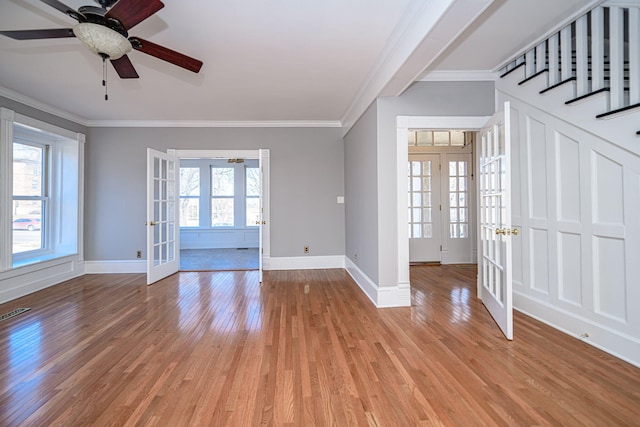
537, 150
609, 278
608, 205
539, 260
516, 261
568, 178
516, 180
570, 268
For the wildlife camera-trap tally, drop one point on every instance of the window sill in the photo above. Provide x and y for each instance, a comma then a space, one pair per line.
19, 263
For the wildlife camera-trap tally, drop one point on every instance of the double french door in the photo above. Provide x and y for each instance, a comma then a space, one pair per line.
440, 208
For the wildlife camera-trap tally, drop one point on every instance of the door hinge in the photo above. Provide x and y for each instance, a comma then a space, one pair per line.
440, 248
439, 166
440, 207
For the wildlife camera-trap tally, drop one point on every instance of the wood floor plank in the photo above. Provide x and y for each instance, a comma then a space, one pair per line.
305, 348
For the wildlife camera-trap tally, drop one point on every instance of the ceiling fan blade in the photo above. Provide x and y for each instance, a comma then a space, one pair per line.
55, 33
131, 12
63, 8
166, 54
124, 67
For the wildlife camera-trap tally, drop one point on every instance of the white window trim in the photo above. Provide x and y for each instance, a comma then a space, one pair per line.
61, 248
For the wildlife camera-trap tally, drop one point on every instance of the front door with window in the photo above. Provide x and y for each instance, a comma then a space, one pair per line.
457, 208
424, 208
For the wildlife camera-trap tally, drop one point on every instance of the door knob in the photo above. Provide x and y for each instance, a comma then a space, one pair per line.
507, 231
151, 223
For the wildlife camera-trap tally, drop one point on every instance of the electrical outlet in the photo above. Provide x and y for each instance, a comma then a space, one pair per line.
355, 258
306, 249
138, 254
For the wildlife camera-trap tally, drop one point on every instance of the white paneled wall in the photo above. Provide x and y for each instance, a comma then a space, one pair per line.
577, 260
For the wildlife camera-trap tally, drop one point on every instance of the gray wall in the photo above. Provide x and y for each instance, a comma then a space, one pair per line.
307, 174
361, 198
371, 167
421, 99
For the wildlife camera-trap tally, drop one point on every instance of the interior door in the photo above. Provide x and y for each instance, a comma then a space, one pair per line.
425, 237
457, 208
163, 244
265, 245
494, 275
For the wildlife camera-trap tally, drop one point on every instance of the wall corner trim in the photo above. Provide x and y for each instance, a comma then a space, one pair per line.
381, 297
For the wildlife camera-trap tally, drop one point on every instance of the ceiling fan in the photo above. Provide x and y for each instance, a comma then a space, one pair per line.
104, 30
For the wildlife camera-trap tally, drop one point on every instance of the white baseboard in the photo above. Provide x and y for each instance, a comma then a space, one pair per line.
305, 262
108, 267
620, 345
381, 297
269, 263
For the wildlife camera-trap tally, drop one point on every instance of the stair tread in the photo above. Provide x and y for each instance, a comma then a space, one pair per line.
512, 70
619, 110
533, 76
587, 95
572, 78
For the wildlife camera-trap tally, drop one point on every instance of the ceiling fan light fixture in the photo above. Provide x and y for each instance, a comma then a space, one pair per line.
102, 40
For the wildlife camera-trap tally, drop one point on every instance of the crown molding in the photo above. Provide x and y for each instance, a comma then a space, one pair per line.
459, 76
46, 108
216, 123
401, 44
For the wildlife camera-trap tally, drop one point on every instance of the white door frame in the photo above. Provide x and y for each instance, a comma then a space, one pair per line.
264, 157
403, 124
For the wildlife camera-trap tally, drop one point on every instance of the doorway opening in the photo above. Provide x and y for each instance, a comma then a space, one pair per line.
403, 125
255, 209
441, 196
219, 214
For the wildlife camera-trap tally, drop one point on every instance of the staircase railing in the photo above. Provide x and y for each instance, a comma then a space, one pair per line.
598, 52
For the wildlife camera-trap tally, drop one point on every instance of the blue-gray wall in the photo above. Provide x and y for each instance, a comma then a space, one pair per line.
307, 169
372, 144
361, 197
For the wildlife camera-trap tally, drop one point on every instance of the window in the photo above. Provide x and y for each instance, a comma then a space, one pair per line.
458, 200
189, 197
218, 194
222, 197
30, 184
252, 196
420, 199
42, 202
435, 138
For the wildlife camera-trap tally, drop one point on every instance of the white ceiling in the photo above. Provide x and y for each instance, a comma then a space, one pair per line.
280, 60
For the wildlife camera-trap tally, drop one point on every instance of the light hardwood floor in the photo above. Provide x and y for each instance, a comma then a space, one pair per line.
305, 348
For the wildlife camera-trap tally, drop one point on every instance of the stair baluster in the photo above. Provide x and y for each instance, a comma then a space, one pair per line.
599, 52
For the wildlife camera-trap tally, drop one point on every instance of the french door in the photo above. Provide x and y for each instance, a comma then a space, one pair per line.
163, 245
457, 207
264, 225
494, 263
425, 238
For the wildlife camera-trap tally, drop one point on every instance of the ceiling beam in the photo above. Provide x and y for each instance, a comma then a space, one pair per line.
425, 31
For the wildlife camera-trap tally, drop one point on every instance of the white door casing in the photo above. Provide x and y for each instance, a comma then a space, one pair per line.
163, 237
495, 232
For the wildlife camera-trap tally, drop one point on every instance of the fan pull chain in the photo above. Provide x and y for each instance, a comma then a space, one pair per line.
104, 77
